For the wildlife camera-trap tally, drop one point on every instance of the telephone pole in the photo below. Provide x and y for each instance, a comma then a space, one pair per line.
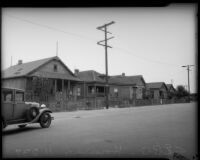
104, 29
57, 48
188, 69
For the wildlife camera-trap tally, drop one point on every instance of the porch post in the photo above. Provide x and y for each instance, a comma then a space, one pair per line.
63, 88
55, 89
84, 90
95, 94
68, 88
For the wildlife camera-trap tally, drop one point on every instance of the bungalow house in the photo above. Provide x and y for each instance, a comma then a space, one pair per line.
127, 87
157, 90
46, 80
92, 84
171, 90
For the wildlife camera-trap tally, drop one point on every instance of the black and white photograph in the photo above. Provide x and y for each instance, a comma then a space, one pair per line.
99, 82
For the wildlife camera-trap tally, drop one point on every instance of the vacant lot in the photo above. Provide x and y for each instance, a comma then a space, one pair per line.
150, 131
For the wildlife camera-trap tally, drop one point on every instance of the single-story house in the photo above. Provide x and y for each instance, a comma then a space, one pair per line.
46, 79
92, 84
157, 90
171, 90
128, 87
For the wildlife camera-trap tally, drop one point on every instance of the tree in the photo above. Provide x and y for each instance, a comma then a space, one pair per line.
181, 92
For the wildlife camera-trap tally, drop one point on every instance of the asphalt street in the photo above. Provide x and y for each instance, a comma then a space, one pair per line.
150, 131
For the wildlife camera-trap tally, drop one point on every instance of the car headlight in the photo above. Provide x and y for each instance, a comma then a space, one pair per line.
43, 106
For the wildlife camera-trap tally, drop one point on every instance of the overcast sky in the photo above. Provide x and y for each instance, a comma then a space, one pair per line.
153, 42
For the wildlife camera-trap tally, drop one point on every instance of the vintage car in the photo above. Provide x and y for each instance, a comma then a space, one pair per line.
15, 110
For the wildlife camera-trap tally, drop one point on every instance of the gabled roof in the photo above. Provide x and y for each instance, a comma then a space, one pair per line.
90, 76
128, 80
26, 69
170, 86
156, 85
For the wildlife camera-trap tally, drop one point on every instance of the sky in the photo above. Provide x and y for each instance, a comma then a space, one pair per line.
150, 41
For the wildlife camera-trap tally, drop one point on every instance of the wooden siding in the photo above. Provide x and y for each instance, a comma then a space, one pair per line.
49, 67
15, 83
139, 93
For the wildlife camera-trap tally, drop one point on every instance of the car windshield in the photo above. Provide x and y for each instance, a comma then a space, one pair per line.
19, 96
7, 96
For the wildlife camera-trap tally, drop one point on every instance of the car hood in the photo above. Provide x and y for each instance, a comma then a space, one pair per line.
33, 104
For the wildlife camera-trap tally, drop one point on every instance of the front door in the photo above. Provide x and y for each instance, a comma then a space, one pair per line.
20, 107
7, 104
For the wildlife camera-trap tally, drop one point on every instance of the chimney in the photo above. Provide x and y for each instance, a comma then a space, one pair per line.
76, 71
19, 62
123, 74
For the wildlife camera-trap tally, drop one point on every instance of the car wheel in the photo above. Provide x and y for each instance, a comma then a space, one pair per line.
22, 126
32, 113
45, 120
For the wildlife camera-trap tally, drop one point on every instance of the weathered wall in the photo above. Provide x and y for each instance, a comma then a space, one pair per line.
49, 67
139, 92
156, 94
124, 92
15, 83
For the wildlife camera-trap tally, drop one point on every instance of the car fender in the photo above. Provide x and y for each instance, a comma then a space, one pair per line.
41, 111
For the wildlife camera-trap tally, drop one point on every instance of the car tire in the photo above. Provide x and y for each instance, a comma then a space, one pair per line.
22, 126
45, 120
32, 113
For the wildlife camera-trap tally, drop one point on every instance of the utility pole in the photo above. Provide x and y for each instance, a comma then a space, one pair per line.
188, 69
57, 48
104, 29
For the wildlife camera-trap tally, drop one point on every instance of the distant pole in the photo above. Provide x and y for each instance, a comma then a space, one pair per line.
172, 81
57, 48
11, 62
104, 29
188, 71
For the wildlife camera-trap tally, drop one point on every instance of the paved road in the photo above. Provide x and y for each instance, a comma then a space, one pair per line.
151, 131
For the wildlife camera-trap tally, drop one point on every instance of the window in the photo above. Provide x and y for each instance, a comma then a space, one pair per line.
116, 92
78, 91
91, 89
19, 96
7, 96
55, 68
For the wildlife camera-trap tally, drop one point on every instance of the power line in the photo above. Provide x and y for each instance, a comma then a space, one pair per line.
144, 58
92, 40
51, 28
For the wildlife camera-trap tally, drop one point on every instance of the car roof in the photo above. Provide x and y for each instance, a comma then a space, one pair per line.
11, 88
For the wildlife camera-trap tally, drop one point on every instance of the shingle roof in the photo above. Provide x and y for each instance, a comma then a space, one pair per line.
155, 85
24, 69
90, 76
128, 80
170, 86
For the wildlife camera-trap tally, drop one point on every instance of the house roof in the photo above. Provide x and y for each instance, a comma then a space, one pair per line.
25, 69
128, 80
169, 86
156, 85
90, 76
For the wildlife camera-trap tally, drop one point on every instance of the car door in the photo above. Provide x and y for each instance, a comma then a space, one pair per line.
19, 107
7, 104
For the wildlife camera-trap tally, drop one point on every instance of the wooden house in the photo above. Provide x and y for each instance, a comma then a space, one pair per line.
92, 84
46, 79
157, 90
127, 87
171, 91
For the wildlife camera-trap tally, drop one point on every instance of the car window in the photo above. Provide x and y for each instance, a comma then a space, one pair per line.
7, 96
19, 96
